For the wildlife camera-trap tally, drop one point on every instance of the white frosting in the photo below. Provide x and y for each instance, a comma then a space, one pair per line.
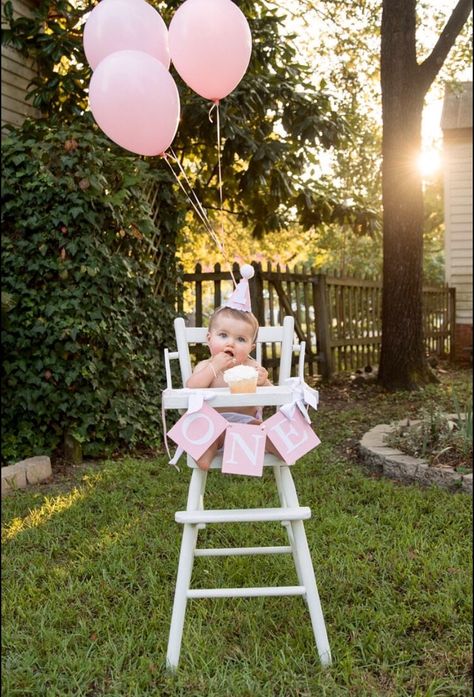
240, 372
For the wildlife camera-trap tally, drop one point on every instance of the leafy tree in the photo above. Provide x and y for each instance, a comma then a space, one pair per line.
405, 83
329, 248
273, 125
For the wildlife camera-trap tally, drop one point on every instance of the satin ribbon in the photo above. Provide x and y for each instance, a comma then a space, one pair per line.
195, 401
303, 394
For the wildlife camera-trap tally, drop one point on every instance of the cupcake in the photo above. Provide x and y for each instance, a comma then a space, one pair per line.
241, 378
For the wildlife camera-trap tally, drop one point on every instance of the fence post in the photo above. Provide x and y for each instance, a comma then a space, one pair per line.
323, 330
198, 287
217, 287
179, 291
256, 294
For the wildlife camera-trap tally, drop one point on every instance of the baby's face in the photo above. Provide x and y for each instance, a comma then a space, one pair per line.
234, 337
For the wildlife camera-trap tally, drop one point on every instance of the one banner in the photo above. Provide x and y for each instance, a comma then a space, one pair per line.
244, 449
291, 435
197, 430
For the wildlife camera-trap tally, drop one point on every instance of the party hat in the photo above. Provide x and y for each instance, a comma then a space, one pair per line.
240, 298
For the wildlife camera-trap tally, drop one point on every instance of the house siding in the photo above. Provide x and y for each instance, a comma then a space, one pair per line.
17, 73
456, 124
458, 222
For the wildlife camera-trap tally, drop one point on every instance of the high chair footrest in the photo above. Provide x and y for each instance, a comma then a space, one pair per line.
242, 515
245, 592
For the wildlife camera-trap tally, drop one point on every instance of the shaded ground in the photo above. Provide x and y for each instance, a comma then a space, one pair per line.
365, 404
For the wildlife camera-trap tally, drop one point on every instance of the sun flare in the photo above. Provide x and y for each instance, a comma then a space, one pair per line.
428, 162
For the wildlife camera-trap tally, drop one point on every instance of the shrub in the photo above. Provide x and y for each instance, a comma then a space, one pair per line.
85, 327
437, 437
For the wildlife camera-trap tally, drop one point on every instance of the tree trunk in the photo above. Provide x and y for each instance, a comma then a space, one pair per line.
403, 363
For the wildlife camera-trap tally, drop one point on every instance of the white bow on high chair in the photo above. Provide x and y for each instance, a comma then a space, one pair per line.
303, 394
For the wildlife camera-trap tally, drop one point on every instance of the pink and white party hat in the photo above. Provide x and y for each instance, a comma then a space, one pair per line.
240, 298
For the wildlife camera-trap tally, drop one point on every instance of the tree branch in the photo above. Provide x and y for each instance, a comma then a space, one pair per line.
430, 67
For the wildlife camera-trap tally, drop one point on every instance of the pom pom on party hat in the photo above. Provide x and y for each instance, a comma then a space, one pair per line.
240, 298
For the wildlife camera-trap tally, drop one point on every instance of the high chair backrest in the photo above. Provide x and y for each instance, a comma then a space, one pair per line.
283, 334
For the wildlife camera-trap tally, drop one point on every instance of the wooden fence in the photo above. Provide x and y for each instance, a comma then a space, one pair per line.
340, 319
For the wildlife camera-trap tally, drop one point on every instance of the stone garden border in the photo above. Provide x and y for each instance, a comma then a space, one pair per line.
29, 471
395, 464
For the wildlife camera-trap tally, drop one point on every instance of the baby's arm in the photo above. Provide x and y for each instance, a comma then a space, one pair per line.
203, 375
208, 373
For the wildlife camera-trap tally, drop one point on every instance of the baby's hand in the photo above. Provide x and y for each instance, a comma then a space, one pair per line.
222, 361
262, 378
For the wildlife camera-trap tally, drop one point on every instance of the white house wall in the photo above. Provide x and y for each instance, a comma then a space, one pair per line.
17, 73
458, 222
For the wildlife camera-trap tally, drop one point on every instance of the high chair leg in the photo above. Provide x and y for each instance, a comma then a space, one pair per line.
289, 531
307, 571
185, 568
312, 595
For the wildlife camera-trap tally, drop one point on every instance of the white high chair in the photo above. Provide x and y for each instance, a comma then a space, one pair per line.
195, 517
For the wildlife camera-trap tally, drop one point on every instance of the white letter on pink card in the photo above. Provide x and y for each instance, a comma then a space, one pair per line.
196, 431
293, 437
244, 449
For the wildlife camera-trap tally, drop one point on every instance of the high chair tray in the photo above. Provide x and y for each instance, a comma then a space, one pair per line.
275, 395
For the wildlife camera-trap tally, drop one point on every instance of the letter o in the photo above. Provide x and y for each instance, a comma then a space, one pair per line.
208, 435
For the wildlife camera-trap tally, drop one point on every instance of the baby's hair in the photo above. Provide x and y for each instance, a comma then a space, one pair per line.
247, 317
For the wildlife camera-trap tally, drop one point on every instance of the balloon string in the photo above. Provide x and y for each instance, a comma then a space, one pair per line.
219, 169
219, 162
198, 208
214, 106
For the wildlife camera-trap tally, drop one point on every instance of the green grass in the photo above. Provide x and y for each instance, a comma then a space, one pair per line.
89, 564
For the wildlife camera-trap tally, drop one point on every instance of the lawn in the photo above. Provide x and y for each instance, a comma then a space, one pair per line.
89, 564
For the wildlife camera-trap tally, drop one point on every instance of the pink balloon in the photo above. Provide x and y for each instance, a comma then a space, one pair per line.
135, 102
210, 46
116, 25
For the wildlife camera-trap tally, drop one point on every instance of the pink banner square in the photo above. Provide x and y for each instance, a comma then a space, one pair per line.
244, 449
293, 437
196, 431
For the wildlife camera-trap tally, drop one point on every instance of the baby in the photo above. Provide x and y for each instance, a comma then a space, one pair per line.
231, 338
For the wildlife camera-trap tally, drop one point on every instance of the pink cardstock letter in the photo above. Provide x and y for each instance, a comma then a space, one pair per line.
196, 431
244, 449
293, 437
